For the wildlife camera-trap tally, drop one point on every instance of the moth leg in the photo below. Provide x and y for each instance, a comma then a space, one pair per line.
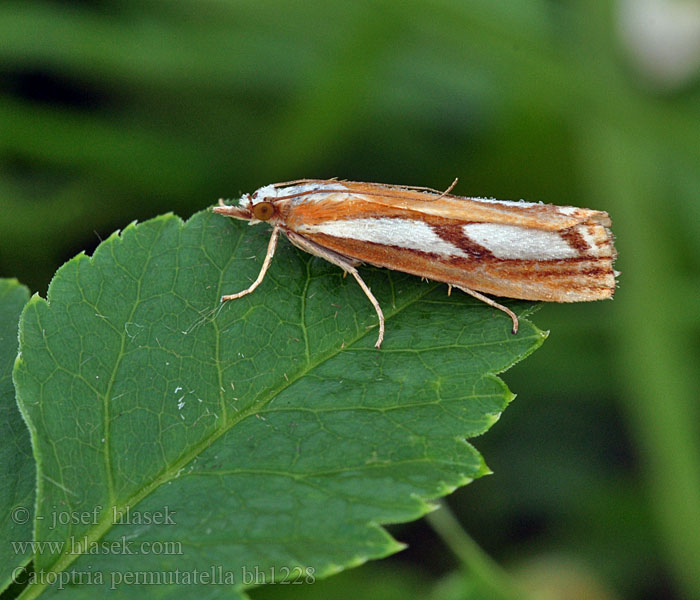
272, 244
348, 265
373, 300
313, 248
493, 303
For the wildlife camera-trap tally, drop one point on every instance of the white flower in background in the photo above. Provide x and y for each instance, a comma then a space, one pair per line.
662, 38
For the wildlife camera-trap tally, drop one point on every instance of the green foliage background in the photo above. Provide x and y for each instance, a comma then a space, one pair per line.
115, 111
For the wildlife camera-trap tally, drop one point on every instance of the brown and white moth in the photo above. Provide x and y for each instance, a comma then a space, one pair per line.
514, 249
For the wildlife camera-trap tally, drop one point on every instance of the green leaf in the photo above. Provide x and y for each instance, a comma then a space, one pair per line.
17, 470
269, 429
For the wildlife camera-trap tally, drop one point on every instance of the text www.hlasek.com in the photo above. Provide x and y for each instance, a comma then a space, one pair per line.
85, 546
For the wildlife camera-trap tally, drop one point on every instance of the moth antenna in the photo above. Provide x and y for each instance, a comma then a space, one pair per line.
449, 189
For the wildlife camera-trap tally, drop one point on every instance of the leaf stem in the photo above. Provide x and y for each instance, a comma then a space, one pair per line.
488, 574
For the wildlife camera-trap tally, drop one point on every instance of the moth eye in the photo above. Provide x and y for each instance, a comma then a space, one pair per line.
263, 211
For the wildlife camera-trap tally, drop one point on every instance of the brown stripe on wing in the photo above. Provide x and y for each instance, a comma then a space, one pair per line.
574, 279
562, 280
574, 237
454, 234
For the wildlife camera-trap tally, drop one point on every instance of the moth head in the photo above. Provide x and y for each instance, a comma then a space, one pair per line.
254, 207
261, 203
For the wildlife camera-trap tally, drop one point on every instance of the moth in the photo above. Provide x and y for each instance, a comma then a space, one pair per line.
525, 250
